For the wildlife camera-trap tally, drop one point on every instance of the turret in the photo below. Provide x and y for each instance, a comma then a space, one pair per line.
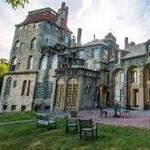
63, 14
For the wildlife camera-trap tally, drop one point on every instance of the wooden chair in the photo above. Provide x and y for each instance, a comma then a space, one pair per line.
71, 125
47, 120
88, 127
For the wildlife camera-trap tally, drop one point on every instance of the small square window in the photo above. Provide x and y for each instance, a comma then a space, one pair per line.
14, 84
23, 108
13, 107
4, 107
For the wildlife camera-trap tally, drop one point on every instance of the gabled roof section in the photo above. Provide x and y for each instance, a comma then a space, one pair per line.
95, 42
110, 36
135, 51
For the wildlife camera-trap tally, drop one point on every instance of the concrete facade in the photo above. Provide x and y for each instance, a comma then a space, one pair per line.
49, 68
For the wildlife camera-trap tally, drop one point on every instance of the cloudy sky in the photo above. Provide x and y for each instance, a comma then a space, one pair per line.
122, 17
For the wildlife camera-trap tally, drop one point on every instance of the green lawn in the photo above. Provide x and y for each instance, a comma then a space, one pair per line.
15, 116
28, 137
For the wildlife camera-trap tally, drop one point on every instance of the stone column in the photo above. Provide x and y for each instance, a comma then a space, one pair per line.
53, 95
111, 97
141, 90
2, 97
125, 87
65, 93
79, 95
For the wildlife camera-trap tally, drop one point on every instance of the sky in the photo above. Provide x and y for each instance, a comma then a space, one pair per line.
124, 18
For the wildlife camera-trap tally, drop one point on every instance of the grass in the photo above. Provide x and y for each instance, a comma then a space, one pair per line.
15, 116
28, 137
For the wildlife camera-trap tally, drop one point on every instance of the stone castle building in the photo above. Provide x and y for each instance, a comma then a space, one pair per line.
51, 68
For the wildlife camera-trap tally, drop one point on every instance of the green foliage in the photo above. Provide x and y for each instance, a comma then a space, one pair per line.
3, 71
17, 3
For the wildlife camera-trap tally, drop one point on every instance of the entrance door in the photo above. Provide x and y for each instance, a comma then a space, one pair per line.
135, 98
72, 89
59, 93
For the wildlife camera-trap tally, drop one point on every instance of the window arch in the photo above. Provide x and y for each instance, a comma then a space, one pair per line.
17, 45
21, 46
8, 85
46, 41
24, 86
148, 48
13, 64
33, 43
43, 62
30, 63
55, 62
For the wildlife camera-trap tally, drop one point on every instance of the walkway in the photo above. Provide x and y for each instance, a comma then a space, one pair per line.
140, 119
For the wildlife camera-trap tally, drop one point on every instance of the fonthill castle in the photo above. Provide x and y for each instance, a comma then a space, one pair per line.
50, 67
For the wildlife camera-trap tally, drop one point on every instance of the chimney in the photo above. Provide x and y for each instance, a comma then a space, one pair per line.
126, 42
94, 37
63, 5
79, 37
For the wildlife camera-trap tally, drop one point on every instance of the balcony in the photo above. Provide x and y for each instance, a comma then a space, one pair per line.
78, 72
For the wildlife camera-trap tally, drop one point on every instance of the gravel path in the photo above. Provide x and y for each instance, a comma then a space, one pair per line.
140, 119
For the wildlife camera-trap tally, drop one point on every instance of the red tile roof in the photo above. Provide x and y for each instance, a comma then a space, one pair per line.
46, 14
39, 17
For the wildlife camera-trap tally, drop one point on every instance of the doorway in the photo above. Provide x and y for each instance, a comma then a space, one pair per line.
135, 98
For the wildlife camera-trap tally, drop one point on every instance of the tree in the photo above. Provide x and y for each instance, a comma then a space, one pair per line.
3, 71
16, 3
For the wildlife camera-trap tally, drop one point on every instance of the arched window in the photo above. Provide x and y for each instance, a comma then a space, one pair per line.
24, 86
148, 50
17, 45
43, 62
72, 90
13, 64
21, 46
55, 62
59, 93
33, 43
30, 63
46, 41
8, 85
